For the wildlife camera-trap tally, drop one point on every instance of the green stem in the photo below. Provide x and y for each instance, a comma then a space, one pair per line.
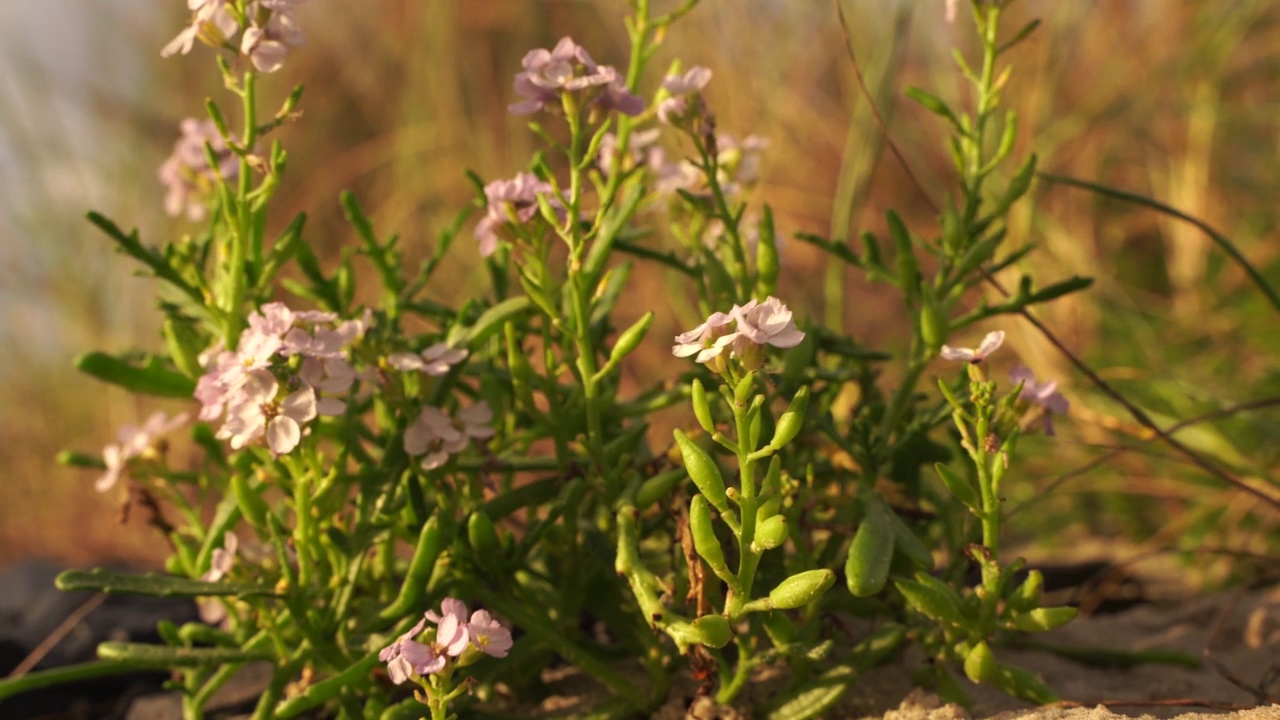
244, 230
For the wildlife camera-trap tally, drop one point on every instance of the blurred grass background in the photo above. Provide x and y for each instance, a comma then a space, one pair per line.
1178, 101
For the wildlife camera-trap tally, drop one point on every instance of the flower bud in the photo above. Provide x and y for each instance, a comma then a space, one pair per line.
703, 471
744, 388
801, 589
792, 420
980, 663
1042, 619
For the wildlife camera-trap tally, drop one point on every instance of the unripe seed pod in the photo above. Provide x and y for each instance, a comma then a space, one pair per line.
771, 533
486, 548
658, 486
630, 338
704, 535
702, 408
713, 630
792, 420
933, 325
801, 589
703, 471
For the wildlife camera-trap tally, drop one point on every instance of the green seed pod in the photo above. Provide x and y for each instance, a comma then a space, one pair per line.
521, 371
771, 533
871, 553
184, 346
713, 630
801, 589
414, 589
702, 408
630, 339
792, 420
1043, 619
704, 472
980, 664
252, 506
933, 324
486, 548
658, 487
704, 536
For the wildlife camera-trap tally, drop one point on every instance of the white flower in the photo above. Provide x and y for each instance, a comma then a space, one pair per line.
990, 343
437, 436
132, 442
767, 323
707, 340
435, 360
255, 412
1044, 395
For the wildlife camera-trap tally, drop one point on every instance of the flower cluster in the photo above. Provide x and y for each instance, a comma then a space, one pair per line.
454, 635
186, 173
512, 201
756, 324
1042, 395
568, 68
134, 441
247, 384
270, 29
437, 436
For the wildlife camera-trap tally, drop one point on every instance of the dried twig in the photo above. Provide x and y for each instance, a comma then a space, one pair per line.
55, 637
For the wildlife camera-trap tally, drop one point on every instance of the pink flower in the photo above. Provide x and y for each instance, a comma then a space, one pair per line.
1043, 395
406, 656
990, 343
513, 201
707, 340
435, 360
488, 634
186, 172
568, 68
452, 636
211, 21
134, 441
681, 86
213, 611
767, 323
256, 412
268, 44
437, 436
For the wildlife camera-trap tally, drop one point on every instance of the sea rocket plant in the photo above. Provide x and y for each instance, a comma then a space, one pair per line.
354, 445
